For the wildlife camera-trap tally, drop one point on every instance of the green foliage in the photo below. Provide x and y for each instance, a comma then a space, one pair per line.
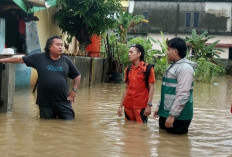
127, 21
123, 53
207, 71
198, 45
115, 45
204, 54
83, 18
161, 62
114, 51
163, 44
120, 50
160, 67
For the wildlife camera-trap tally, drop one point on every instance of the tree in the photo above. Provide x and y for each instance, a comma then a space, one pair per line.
116, 43
84, 18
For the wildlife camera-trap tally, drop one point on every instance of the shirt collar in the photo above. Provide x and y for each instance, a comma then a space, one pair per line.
141, 65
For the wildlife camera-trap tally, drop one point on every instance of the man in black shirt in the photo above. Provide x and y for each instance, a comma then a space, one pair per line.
53, 96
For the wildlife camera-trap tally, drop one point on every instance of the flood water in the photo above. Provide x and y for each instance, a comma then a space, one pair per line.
98, 132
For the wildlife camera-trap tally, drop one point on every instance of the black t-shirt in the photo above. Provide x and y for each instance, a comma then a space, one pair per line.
52, 76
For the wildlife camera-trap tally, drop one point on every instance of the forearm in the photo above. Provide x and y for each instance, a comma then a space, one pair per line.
151, 92
12, 60
147, 111
76, 82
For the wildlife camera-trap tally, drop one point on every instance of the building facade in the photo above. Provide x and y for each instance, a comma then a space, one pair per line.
179, 17
175, 16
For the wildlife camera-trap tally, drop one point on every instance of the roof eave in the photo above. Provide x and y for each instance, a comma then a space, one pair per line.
30, 6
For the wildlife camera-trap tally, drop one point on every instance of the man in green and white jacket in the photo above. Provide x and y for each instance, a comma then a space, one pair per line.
175, 109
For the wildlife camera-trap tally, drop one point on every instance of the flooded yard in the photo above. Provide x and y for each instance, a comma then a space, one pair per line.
98, 132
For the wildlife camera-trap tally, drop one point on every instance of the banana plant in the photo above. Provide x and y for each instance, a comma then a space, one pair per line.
199, 47
125, 22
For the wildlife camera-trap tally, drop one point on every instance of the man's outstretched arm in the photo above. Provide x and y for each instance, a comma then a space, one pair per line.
15, 59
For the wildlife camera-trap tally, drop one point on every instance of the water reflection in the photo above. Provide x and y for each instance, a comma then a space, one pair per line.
173, 145
97, 131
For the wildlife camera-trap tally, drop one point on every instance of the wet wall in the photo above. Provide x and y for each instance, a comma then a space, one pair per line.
22, 75
170, 17
91, 69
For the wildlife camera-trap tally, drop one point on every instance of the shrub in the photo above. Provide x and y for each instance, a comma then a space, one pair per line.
207, 71
160, 67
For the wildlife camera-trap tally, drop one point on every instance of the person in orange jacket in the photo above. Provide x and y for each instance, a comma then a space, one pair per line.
137, 97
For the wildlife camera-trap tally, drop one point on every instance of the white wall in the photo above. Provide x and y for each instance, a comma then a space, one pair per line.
224, 9
131, 6
2, 34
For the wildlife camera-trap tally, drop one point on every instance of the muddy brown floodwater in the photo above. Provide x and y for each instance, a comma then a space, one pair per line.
98, 132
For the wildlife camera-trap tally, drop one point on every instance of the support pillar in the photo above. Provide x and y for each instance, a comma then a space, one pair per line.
7, 87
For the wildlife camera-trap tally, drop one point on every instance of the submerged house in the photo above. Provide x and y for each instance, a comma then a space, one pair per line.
25, 26
14, 14
179, 17
18, 31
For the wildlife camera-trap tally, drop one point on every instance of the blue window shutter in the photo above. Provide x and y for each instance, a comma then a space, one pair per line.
196, 19
187, 19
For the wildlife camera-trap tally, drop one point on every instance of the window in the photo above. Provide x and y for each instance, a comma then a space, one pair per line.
192, 21
145, 14
187, 19
196, 18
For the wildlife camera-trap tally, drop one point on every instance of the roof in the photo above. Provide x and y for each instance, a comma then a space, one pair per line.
28, 6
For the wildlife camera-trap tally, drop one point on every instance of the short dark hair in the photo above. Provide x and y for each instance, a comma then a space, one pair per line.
49, 43
139, 49
179, 44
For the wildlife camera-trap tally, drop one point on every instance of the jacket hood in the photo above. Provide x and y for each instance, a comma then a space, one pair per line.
184, 60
